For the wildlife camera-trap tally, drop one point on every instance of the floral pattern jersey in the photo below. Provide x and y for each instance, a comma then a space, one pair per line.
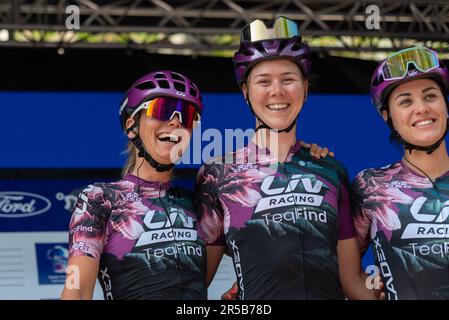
280, 222
145, 236
404, 216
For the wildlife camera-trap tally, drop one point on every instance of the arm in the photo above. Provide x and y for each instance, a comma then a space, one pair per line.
210, 217
214, 255
231, 293
352, 278
361, 216
81, 276
87, 236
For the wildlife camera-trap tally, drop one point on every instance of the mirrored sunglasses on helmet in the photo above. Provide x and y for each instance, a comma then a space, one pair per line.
396, 66
282, 28
164, 109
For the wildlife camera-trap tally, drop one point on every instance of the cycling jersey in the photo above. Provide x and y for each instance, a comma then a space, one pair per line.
404, 217
145, 236
280, 223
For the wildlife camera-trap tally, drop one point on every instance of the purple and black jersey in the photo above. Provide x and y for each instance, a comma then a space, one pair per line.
146, 237
280, 223
404, 216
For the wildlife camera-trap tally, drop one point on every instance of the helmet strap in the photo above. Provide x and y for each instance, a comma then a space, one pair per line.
263, 125
410, 146
146, 155
132, 129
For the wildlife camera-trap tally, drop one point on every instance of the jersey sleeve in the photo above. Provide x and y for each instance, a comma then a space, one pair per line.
87, 229
362, 220
346, 228
207, 197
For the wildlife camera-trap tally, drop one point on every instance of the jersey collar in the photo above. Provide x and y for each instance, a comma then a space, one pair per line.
263, 153
153, 185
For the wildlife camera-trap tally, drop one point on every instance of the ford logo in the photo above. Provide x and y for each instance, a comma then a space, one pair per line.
16, 204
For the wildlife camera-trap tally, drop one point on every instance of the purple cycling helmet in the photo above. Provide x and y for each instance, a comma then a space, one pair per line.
159, 84
411, 63
259, 43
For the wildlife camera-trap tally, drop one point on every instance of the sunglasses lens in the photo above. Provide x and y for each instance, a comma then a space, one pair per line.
165, 109
396, 66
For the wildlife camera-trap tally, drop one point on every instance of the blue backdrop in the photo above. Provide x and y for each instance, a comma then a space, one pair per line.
81, 130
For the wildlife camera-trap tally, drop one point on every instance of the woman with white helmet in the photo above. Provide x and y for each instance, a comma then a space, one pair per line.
282, 215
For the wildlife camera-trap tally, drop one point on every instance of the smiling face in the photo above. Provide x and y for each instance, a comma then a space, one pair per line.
276, 91
164, 140
418, 111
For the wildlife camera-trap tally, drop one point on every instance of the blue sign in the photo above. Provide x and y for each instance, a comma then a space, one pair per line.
51, 262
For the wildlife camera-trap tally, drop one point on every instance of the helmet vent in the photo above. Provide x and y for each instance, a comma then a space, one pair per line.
282, 44
376, 81
246, 51
163, 84
259, 47
160, 76
147, 85
176, 76
179, 86
193, 92
297, 46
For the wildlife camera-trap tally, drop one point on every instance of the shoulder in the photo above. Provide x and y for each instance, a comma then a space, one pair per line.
382, 173
375, 179
230, 158
337, 165
212, 167
329, 167
105, 192
219, 166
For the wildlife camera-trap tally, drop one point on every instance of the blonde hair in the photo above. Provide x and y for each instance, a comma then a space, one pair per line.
131, 151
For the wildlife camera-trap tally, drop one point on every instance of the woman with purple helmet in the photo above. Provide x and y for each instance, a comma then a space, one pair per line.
139, 236
402, 209
282, 215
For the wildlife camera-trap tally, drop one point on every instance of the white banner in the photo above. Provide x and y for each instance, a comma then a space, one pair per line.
426, 230
32, 265
288, 199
